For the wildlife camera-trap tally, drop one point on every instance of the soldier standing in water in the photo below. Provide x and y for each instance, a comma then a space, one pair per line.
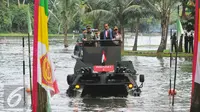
186, 43
173, 38
180, 47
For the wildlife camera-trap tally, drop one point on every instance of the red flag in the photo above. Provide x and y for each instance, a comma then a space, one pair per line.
195, 101
103, 59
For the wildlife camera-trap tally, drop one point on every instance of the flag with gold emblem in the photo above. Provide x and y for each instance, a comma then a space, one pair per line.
43, 69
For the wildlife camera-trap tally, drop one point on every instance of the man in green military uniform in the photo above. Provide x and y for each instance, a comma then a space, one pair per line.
81, 37
96, 37
174, 42
89, 34
79, 42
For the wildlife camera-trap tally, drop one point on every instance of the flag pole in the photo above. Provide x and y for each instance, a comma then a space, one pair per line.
24, 71
176, 50
170, 84
175, 74
29, 55
29, 51
42, 61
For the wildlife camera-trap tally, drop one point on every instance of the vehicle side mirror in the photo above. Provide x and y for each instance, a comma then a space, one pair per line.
141, 78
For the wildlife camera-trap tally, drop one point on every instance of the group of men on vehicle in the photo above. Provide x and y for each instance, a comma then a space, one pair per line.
107, 34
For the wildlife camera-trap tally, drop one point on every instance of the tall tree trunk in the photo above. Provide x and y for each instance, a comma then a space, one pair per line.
8, 3
24, 2
122, 33
167, 24
184, 2
18, 3
65, 37
136, 34
166, 37
59, 28
132, 28
164, 26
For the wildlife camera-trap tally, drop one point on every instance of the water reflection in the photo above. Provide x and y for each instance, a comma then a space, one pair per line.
98, 104
161, 62
107, 104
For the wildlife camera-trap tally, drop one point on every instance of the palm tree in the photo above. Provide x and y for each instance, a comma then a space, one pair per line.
69, 9
137, 12
136, 34
121, 9
54, 12
98, 12
163, 9
115, 11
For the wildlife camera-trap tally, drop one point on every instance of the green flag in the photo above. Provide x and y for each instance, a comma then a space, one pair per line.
179, 27
29, 22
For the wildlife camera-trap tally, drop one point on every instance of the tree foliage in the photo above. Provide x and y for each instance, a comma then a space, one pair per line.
68, 15
188, 14
13, 16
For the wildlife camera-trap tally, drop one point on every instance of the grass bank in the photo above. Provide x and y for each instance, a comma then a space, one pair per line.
153, 53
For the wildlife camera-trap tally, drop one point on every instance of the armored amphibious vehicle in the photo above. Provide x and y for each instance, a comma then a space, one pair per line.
100, 72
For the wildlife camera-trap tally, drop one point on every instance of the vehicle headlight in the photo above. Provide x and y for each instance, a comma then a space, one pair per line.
130, 86
77, 86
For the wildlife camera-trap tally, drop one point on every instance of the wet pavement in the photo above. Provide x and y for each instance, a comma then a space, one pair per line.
154, 97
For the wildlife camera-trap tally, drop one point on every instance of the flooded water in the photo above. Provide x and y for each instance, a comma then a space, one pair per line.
144, 42
154, 97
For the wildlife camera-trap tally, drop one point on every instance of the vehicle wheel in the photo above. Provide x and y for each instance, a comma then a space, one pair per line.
69, 79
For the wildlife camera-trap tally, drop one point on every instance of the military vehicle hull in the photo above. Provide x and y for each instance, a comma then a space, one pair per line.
101, 73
